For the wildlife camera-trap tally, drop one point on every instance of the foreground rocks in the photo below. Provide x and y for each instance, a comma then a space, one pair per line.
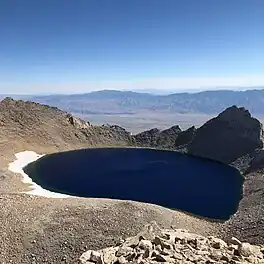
154, 245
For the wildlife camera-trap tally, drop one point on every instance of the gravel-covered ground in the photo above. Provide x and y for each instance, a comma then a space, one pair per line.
44, 230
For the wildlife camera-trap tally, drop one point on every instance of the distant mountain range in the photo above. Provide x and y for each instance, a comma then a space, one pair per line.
128, 102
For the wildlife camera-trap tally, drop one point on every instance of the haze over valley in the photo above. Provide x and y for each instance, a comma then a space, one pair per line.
137, 112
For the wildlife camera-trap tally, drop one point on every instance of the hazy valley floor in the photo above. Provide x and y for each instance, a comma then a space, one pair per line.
142, 121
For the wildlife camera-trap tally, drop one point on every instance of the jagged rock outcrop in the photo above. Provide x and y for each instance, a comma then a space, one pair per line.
185, 137
166, 138
147, 138
78, 123
156, 138
227, 137
154, 245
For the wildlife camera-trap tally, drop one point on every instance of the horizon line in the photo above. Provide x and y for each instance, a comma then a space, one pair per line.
146, 91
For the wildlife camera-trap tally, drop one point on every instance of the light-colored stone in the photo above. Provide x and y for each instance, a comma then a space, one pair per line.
145, 244
121, 260
215, 254
109, 255
247, 250
78, 123
96, 257
235, 241
254, 260
188, 248
85, 257
91, 256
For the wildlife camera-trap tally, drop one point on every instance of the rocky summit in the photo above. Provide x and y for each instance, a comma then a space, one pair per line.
35, 229
227, 137
153, 245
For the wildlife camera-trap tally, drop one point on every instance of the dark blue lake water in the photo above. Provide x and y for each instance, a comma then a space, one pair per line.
166, 178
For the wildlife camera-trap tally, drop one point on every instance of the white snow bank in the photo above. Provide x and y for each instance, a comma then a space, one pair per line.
23, 159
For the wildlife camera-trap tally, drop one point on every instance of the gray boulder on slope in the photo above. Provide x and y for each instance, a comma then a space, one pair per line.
232, 134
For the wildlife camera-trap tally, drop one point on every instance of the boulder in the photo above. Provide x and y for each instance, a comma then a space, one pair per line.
247, 250
91, 256
227, 137
145, 244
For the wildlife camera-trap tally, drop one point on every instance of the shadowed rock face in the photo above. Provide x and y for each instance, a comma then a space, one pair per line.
231, 135
164, 139
185, 137
165, 178
147, 138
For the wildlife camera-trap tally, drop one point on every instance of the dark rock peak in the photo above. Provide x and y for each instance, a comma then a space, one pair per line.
192, 128
237, 115
229, 136
7, 100
185, 137
150, 131
172, 130
234, 110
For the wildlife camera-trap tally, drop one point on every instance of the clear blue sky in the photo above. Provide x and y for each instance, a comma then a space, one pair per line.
82, 45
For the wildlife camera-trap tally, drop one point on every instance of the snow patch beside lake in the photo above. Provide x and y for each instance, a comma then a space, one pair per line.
23, 159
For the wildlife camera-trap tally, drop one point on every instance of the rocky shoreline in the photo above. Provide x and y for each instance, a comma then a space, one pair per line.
41, 230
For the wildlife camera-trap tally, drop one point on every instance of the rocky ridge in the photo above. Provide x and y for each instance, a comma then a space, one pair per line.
25, 121
154, 245
29, 122
233, 134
